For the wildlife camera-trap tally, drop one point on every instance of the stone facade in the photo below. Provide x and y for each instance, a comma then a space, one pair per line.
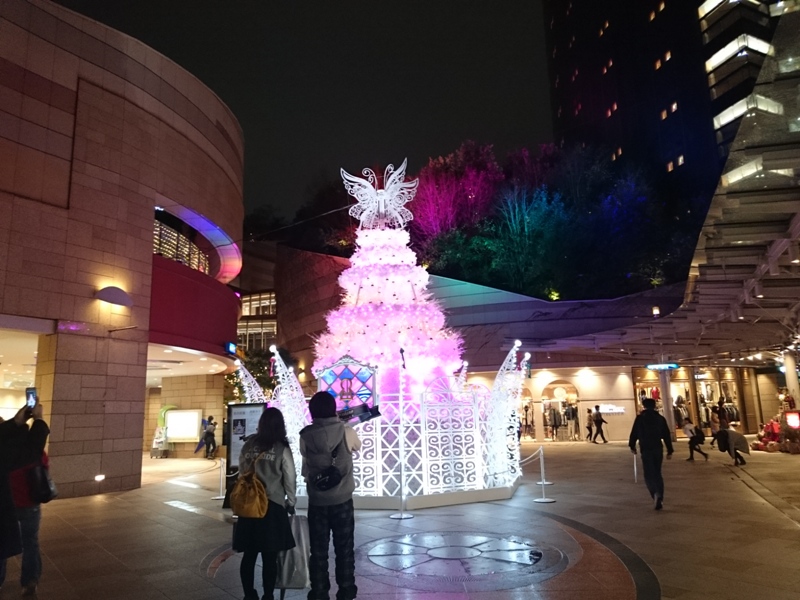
96, 130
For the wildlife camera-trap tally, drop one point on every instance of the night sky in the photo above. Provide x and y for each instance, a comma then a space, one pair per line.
318, 85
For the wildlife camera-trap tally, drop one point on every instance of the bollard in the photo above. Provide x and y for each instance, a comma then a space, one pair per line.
221, 496
543, 480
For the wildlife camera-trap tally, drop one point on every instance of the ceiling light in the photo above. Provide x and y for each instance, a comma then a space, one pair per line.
167, 350
656, 311
758, 290
204, 358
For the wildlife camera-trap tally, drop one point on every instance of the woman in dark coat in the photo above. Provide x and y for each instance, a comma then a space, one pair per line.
269, 450
19, 446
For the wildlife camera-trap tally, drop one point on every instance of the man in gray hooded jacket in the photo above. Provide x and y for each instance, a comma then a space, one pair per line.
329, 441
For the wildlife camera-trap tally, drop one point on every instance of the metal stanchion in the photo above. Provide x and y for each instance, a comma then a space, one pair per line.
222, 463
543, 482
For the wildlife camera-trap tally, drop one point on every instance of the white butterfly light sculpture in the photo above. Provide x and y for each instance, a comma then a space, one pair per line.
379, 209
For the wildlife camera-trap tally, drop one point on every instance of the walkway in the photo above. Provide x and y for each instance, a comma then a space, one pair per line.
725, 533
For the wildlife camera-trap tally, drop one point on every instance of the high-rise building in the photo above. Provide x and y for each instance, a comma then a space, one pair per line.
665, 81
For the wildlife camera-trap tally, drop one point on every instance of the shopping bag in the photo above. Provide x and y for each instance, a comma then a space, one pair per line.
293, 564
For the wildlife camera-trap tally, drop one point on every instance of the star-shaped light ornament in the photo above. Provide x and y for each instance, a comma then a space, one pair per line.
381, 209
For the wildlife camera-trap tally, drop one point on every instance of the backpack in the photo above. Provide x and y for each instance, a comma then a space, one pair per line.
699, 435
249, 497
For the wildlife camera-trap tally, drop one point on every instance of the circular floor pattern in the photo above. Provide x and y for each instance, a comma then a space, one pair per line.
454, 560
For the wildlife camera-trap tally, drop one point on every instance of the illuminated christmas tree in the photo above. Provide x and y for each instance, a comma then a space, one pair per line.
388, 318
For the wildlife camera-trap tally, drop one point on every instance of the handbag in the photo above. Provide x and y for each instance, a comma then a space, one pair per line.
293, 564
330, 476
249, 497
41, 485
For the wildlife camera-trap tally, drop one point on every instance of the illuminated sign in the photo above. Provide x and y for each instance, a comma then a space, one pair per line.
793, 420
612, 409
230, 348
663, 366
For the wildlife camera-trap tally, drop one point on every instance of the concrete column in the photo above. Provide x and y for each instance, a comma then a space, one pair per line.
792, 383
201, 392
693, 399
93, 389
666, 400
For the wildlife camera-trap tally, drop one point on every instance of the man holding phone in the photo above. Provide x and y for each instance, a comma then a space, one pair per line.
21, 445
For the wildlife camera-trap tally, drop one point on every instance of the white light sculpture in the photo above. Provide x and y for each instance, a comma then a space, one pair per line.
288, 396
378, 209
436, 433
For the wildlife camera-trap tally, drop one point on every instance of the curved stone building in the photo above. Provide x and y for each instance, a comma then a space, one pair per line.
121, 217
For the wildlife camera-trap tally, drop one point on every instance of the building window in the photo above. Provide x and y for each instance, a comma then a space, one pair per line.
171, 244
661, 6
619, 151
658, 64
259, 304
256, 335
608, 113
652, 15
667, 55
614, 106
680, 160
674, 107
610, 63
663, 114
670, 167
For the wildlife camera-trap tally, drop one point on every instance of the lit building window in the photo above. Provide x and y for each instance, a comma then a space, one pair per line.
605, 25
680, 160
614, 106
674, 107
605, 70
670, 167
658, 64
661, 6
608, 113
667, 55
619, 151
601, 33
738, 46
610, 63
173, 245
613, 157
753, 101
652, 15
663, 114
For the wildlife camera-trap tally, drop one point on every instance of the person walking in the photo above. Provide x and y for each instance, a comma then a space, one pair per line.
650, 429
326, 442
21, 448
268, 452
714, 425
589, 424
599, 421
695, 439
734, 443
210, 438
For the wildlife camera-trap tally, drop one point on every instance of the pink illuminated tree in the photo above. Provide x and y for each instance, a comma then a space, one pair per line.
387, 318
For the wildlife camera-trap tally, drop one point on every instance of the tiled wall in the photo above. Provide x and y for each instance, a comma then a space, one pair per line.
203, 392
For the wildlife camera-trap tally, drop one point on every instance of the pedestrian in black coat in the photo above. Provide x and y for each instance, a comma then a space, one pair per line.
650, 429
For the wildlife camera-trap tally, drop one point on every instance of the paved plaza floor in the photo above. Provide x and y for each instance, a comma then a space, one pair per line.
725, 533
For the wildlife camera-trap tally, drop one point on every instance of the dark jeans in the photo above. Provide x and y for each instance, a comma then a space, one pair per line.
651, 465
269, 572
339, 519
598, 430
29, 520
695, 447
211, 445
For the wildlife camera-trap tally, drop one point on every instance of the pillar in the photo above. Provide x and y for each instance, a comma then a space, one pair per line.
792, 384
92, 388
693, 398
666, 400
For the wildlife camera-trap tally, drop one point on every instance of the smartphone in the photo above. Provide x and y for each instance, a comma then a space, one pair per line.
30, 397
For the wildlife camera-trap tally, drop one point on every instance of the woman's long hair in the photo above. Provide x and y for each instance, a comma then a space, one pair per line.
271, 429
